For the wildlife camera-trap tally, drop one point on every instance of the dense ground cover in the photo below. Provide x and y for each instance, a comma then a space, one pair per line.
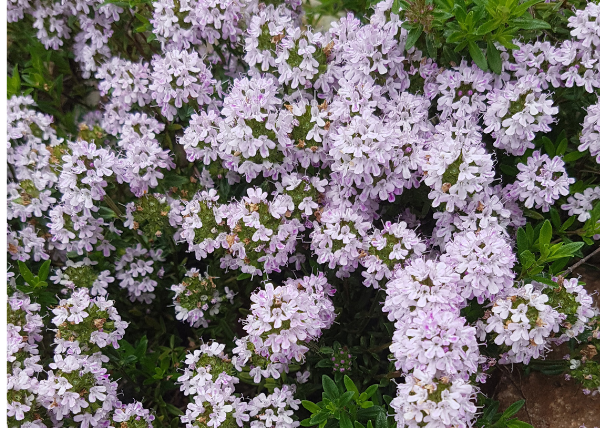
222, 214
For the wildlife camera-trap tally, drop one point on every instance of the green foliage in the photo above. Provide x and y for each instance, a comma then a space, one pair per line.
13, 84
36, 285
38, 281
490, 417
537, 251
345, 406
150, 371
46, 75
473, 26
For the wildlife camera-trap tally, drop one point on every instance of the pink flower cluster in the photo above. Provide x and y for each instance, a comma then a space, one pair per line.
208, 379
136, 271
522, 322
282, 321
24, 331
198, 299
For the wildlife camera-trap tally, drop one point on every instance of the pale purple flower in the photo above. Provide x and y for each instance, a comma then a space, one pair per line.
541, 181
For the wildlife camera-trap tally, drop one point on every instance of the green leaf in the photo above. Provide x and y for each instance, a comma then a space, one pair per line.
522, 241
142, 18
173, 410
370, 413
371, 390
555, 217
44, 270
446, 5
140, 349
469, 21
26, 274
508, 169
129, 360
310, 406
536, 270
246, 378
590, 228
413, 36
399, 4
515, 423
14, 83
381, 420
350, 385
522, 8
488, 27
172, 179
319, 417
558, 265
573, 156
345, 398
544, 280
530, 24
25, 289
306, 423
494, 59
513, 409
431, 45
345, 421
477, 56
58, 86
461, 45
449, 55
568, 250
490, 411
549, 146
330, 388
455, 37
324, 363
568, 223
506, 40
358, 425
554, 248
545, 234
527, 259
106, 213
243, 276
460, 12
562, 147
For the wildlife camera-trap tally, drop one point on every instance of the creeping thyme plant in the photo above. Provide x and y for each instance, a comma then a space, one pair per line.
229, 214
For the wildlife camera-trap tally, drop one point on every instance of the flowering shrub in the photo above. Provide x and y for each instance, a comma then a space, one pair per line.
236, 219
